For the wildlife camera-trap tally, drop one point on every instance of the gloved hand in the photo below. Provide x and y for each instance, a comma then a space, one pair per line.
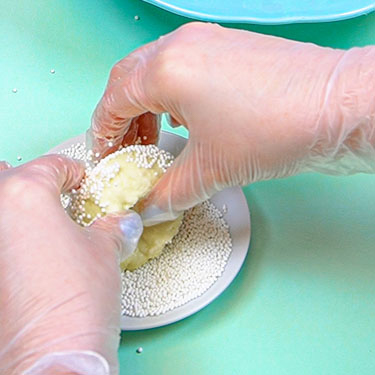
257, 107
60, 283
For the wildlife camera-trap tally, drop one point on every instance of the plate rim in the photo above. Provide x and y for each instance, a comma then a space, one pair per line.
215, 290
205, 16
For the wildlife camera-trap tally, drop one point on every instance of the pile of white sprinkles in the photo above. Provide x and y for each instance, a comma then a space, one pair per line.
187, 267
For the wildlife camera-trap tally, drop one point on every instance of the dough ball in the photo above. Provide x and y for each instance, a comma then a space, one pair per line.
117, 183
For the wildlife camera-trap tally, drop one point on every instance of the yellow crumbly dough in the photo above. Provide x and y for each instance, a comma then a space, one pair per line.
117, 183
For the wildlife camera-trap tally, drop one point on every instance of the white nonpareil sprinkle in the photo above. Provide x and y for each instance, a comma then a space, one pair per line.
76, 151
187, 267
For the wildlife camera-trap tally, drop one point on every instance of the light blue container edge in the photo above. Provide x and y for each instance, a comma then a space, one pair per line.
260, 20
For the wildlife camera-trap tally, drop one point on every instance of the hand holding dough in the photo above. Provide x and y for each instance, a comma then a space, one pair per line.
118, 183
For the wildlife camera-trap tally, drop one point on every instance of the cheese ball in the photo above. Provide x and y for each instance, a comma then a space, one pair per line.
118, 182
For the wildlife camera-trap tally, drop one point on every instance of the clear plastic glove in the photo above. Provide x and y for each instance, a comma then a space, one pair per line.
143, 129
60, 284
257, 107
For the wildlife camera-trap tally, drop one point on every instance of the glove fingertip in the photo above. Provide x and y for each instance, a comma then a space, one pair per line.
131, 228
4, 165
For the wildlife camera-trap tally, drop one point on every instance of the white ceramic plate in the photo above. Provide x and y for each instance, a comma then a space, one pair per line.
238, 219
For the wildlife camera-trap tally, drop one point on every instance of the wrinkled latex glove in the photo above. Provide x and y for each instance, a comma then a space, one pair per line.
60, 284
143, 129
257, 107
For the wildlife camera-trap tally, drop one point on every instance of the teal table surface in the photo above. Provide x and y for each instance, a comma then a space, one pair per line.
304, 301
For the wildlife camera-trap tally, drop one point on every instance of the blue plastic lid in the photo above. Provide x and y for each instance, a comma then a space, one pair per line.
267, 11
